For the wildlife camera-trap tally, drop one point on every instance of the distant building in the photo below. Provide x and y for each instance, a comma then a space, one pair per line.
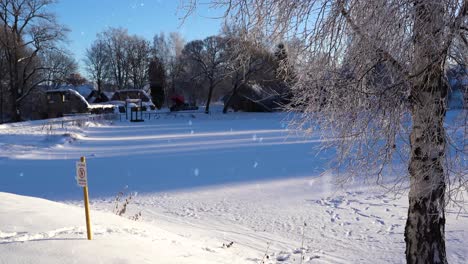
62, 102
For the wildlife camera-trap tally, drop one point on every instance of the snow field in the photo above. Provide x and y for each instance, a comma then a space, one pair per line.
204, 182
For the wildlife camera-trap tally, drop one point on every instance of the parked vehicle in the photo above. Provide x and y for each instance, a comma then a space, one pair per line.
179, 104
120, 97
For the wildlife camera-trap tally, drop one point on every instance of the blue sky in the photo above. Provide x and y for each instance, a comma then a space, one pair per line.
86, 18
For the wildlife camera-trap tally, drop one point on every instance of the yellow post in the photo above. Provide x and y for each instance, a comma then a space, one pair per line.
86, 203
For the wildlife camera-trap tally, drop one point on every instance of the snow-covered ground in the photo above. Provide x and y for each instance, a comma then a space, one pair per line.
236, 188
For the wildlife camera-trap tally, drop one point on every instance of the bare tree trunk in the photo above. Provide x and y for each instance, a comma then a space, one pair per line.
1, 103
210, 94
15, 92
99, 87
15, 116
228, 102
425, 226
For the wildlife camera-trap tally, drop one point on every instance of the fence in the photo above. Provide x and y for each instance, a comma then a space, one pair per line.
77, 120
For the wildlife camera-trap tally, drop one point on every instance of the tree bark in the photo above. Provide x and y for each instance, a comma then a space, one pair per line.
208, 101
1, 104
15, 115
228, 102
425, 226
15, 87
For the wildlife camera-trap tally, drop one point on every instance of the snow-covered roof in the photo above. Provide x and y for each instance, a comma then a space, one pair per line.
131, 90
70, 91
85, 89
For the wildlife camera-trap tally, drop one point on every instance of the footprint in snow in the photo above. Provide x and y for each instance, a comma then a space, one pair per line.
300, 250
392, 227
282, 256
312, 257
379, 221
209, 249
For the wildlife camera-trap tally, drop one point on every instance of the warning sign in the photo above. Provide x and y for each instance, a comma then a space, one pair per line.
81, 174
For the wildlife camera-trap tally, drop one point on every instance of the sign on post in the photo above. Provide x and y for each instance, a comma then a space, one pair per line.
82, 180
81, 174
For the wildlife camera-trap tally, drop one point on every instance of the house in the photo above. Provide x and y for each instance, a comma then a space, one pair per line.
89, 92
62, 102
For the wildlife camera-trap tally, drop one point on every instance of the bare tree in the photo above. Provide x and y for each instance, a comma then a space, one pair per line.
118, 58
208, 55
190, 81
75, 79
96, 63
138, 57
58, 65
116, 42
3, 81
161, 48
376, 63
168, 50
246, 62
29, 29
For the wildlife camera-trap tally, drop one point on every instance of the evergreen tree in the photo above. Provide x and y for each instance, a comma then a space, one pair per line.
157, 79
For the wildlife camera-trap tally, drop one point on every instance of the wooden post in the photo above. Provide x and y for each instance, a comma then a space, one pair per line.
126, 110
86, 204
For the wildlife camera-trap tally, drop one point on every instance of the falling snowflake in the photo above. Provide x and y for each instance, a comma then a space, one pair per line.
255, 164
196, 172
254, 137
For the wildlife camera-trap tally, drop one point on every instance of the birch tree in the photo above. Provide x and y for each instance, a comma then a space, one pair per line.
371, 76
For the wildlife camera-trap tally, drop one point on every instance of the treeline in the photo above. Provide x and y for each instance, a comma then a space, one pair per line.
33, 55
200, 70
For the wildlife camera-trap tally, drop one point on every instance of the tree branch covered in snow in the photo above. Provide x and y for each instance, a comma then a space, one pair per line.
371, 75
354, 71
